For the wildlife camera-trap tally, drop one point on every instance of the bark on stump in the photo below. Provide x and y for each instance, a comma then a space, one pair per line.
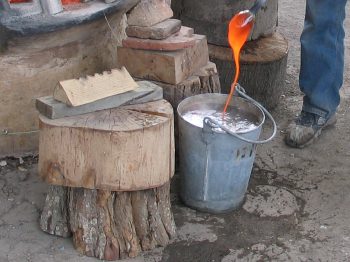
110, 177
263, 68
110, 225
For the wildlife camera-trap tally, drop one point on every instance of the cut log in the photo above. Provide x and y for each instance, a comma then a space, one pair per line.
168, 67
112, 225
54, 217
122, 149
263, 68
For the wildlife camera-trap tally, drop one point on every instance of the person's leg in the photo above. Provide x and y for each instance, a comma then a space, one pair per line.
322, 56
321, 71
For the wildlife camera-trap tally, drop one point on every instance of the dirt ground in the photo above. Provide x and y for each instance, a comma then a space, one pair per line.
296, 209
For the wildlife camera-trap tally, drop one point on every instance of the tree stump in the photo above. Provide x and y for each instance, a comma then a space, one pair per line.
121, 149
263, 68
110, 225
110, 179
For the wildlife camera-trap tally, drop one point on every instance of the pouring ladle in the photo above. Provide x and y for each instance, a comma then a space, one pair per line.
251, 13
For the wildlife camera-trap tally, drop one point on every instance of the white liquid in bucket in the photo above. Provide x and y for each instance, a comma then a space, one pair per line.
235, 122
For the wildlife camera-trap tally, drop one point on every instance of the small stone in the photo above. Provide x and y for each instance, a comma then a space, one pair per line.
3, 163
149, 13
21, 161
187, 31
259, 247
22, 169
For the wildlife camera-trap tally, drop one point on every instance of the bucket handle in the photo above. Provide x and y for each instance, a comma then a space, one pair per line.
240, 90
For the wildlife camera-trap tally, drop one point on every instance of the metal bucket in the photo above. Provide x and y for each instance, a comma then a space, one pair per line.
215, 166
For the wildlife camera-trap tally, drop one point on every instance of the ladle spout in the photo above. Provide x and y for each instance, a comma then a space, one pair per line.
256, 7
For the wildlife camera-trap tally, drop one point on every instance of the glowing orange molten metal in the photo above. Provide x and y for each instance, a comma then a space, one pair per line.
66, 2
238, 32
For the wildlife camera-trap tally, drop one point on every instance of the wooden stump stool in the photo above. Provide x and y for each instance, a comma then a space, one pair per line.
263, 68
110, 177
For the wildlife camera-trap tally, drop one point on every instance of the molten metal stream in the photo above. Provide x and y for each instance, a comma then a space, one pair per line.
67, 2
238, 32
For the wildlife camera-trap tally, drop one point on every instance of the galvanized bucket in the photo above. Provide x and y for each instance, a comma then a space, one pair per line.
215, 166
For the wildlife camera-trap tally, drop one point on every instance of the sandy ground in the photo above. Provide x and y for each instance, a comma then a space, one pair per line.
297, 205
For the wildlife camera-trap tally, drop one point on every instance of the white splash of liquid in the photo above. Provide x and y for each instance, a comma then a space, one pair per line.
236, 122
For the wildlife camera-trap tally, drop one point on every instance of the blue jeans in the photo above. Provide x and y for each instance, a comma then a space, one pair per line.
322, 56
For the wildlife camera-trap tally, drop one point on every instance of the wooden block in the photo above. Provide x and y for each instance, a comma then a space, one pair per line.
158, 31
53, 109
149, 13
263, 68
174, 42
76, 92
168, 67
120, 149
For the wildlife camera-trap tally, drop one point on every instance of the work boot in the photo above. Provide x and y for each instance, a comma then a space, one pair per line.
306, 128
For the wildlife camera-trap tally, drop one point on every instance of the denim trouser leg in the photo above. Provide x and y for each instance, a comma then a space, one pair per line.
322, 56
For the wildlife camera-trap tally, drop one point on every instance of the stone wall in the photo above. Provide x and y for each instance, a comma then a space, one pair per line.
32, 66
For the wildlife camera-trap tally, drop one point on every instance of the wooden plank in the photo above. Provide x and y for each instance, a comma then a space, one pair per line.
168, 67
76, 92
54, 109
